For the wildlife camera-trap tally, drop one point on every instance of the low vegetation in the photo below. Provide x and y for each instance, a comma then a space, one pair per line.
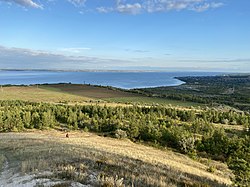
83, 95
37, 93
150, 139
143, 100
187, 131
97, 161
90, 91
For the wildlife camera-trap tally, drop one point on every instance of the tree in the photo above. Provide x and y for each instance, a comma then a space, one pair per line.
27, 119
35, 121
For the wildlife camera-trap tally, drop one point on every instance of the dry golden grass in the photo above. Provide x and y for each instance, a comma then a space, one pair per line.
114, 95
72, 94
88, 91
37, 94
92, 155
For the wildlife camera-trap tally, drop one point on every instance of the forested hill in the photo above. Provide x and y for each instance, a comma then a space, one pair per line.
232, 90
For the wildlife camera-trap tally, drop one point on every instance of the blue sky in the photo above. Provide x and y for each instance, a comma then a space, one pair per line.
205, 35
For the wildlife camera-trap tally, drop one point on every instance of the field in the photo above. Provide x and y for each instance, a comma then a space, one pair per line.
83, 94
90, 91
37, 94
46, 94
47, 157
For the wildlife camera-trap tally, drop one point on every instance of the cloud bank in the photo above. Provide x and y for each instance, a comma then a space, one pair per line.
19, 58
133, 6
150, 6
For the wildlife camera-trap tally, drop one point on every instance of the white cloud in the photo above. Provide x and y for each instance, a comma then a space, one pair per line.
135, 6
25, 3
206, 6
74, 49
168, 5
216, 5
129, 8
78, 2
19, 58
150, 6
104, 9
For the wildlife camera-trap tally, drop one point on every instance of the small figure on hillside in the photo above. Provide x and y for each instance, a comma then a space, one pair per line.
67, 135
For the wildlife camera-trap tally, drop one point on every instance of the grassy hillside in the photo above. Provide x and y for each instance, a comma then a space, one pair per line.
37, 94
99, 161
83, 94
41, 93
90, 91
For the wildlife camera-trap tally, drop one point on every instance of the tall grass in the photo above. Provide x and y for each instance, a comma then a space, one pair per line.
99, 161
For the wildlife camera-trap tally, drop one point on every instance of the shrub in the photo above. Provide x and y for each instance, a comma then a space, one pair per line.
211, 169
241, 170
120, 134
187, 144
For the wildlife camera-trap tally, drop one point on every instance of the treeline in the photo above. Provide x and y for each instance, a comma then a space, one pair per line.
188, 131
17, 115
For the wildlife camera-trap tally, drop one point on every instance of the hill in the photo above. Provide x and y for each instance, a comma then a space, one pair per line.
47, 157
83, 94
187, 140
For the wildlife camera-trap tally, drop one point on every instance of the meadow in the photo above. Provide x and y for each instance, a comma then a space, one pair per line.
47, 157
37, 93
84, 94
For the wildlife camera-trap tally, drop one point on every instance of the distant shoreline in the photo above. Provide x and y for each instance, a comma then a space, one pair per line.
118, 79
119, 71
85, 70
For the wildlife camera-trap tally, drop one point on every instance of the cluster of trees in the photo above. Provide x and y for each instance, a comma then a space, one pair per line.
188, 131
17, 116
226, 117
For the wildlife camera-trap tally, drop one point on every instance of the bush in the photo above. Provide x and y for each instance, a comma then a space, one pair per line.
241, 170
187, 144
211, 169
120, 134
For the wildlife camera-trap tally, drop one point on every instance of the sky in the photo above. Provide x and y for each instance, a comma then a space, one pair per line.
167, 35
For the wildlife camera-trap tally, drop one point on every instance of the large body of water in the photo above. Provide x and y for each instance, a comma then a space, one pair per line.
125, 80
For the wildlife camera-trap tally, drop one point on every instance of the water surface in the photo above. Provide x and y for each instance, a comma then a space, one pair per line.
125, 80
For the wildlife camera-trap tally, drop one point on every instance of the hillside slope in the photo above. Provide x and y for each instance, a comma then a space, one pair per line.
47, 157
